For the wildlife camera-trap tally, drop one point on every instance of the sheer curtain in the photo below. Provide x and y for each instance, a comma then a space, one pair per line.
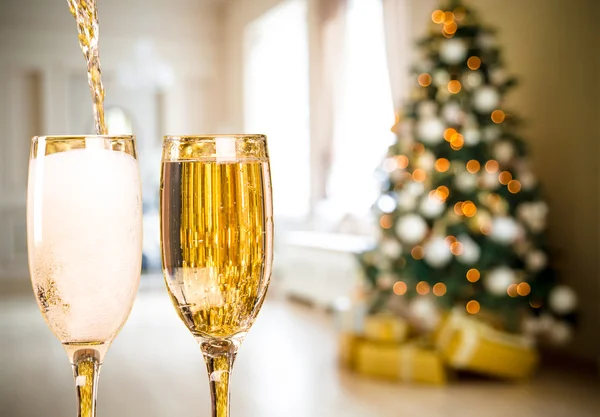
364, 113
276, 101
397, 42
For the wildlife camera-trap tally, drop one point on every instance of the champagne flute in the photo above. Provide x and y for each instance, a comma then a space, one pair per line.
217, 243
84, 238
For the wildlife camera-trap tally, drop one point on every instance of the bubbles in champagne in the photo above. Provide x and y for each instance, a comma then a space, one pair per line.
84, 232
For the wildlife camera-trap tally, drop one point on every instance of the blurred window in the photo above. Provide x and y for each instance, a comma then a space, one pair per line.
365, 113
117, 122
276, 100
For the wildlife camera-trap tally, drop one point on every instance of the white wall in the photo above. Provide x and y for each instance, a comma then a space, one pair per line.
43, 89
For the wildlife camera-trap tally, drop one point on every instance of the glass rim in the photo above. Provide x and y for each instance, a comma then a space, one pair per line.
80, 137
211, 137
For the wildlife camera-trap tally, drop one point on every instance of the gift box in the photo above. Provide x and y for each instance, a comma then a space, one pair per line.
350, 316
347, 345
385, 328
468, 344
409, 362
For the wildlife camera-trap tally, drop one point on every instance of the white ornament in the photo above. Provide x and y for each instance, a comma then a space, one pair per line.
406, 201
397, 175
545, 323
453, 51
499, 76
427, 109
386, 280
505, 230
531, 326
533, 215
486, 99
536, 261
563, 300
391, 248
561, 333
426, 161
437, 252
527, 179
491, 133
432, 207
386, 203
415, 188
441, 78
504, 151
470, 250
465, 181
431, 131
411, 228
489, 181
486, 41
471, 136
474, 79
499, 279
452, 112
425, 312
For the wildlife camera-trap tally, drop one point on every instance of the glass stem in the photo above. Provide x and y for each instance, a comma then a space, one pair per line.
219, 356
86, 368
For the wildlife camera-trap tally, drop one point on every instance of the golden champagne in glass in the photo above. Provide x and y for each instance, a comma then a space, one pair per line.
217, 242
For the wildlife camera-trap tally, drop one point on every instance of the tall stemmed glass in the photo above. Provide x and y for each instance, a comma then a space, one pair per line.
84, 235
217, 243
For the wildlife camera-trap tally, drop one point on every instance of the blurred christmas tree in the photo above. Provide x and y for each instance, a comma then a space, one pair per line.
462, 216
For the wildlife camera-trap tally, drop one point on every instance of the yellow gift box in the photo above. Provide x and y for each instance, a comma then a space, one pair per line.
408, 363
468, 344
385, 328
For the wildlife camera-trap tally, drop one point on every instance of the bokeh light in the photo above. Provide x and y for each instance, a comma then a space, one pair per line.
474, 63
535, 304
458, 208
492, 166
449, 133
417, 252
450, 240
442, 192
424, 80
505, 177
469, 209
457, 142
418, 148
456, 248
523, 289
498, 116
514, 186
512, 290
437, 16
450, 27
385, 221
460, 13
473, 275
442, 165
419, 175
423, 288
400, 288
439, 289
473, 307
473, 166
402, 161
454, 86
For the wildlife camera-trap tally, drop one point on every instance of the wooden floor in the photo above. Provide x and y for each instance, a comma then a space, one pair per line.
286, 368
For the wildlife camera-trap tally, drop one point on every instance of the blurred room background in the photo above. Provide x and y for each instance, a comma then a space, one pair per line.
274, 67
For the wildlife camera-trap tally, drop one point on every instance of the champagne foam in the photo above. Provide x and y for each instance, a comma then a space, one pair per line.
85, 239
